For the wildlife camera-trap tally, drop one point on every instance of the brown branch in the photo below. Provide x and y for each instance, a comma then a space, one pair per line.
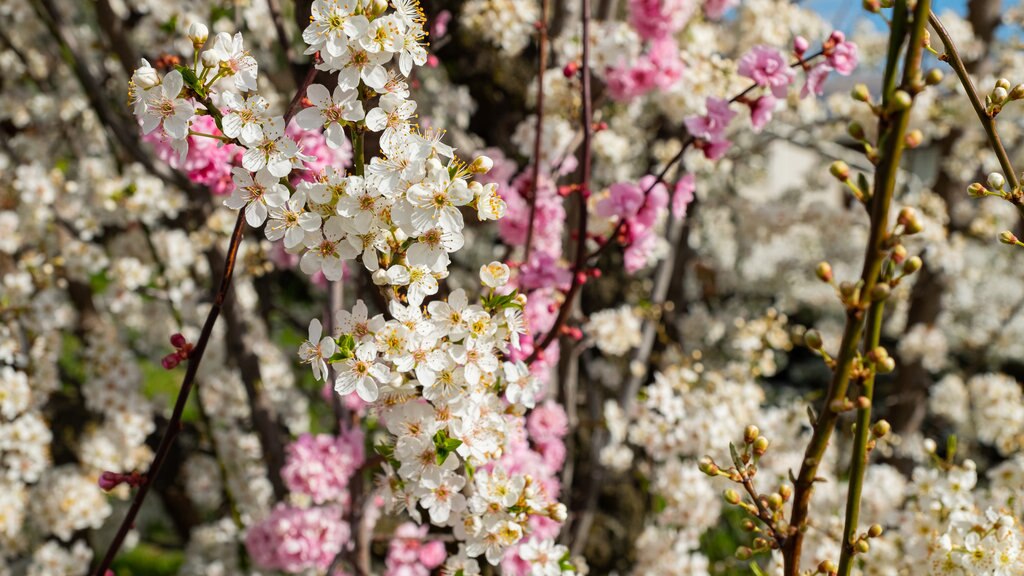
174, 426
538, 138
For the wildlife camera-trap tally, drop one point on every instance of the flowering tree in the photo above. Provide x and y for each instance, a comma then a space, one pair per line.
509, 286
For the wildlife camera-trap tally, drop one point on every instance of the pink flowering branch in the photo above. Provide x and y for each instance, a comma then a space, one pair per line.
538, 138
579, 271
582, 193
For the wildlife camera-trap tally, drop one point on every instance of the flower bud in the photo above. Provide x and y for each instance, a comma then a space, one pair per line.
481, 165
813, 340
881, 429
110, 480
912, 265
743, 553
999, 95
1002, 83
861, 93
855, 130
760, 446
908, 218
378, 7
800, 45
824, 271
708, 466
210, 59
827, 567
880, 292
750, 434
913, 139
1007, 237
996, 181
863, 546
380, 277
976, 190
145, 76
899, 253
841, 170
886, 366
933, 77
775, 502
198, 33
929, 446
875, 531
786, 491
863, 402
495, 274
1017, 93
878, 353
749, 526
846, 290
901, 100
731, 496
873, 6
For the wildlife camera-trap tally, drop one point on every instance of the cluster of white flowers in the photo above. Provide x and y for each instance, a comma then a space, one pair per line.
506, 24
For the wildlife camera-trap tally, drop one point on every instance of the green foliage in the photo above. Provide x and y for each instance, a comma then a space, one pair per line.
445, 445
149, 560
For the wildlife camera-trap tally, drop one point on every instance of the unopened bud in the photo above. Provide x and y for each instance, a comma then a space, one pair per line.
912, 265
873, 6
881, 429
886, 366
933, 77
800, 45
786, 491
749, 526
878, 353
731, 496
901, 100
708, 466
198, 33
750, 434
929, 446
846, 290
908, 218
378, 7
775, 501
875, 531
824, 271
976, 190
1017, 93
760, 446
863, 402
743, 553
380, 277
999, 95
813, 340
1002, 83
481, 165
863, 546
913, 138
861, 93
996, 181
841, 170
899, 253
855, 130
210, 59
145, 76
1007, 237
880, 292
827, 567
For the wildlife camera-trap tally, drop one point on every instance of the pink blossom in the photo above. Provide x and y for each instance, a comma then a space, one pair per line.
295, 540
715, 9
686, 187
439, 27
761, 112
766, 67
549, 217
638, 254
553, 453
623, 201
816, 77
547, 422
800, 46
544, 270
656, 19
320, 466
660, 67
840, 54
712, 125
409, 555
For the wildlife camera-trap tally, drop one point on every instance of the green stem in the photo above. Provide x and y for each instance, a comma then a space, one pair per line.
860, 455
892, 128
358, 161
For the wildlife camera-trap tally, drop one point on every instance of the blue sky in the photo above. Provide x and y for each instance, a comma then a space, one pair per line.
844, 13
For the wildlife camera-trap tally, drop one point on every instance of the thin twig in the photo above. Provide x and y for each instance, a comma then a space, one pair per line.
174, 426
538, 137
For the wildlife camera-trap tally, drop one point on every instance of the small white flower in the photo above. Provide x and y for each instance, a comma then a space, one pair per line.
164, 108
246, 117
361, 373
316, 350
495, 274
291, 221
275, 151
330, 112
234, 60
256, 194
419, 279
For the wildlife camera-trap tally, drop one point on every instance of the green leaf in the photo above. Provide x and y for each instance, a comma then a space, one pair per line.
385, 450
191, 80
